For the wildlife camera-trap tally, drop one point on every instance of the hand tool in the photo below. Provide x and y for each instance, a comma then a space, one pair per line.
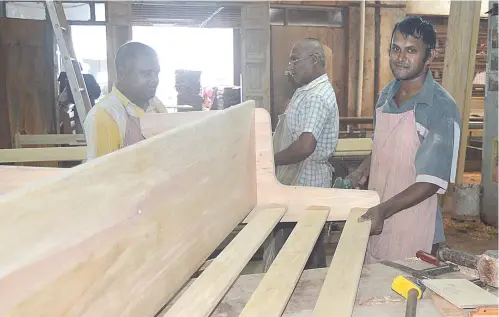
426, 273
428, 258
342, 183
411, 289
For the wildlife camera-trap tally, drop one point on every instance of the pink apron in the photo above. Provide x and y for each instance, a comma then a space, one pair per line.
393, 169
133, 133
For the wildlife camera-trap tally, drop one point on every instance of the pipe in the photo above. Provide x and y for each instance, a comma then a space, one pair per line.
358, 108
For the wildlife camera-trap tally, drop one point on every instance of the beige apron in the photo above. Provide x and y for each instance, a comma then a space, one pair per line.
393, 169
133, 133
285, 174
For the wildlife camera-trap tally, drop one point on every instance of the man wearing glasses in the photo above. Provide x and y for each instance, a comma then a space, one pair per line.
307, 133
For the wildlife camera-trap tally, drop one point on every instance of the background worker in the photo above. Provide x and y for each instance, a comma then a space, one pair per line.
307, 133
415, 148
114, 122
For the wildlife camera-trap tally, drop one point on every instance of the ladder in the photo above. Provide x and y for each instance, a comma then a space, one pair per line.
73, 71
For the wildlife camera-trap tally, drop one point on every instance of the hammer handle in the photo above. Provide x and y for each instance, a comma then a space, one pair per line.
428, 258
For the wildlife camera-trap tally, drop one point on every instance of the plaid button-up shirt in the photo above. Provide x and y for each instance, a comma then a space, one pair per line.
313, 109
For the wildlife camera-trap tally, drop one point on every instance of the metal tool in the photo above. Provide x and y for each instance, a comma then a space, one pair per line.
411, 289
426, 273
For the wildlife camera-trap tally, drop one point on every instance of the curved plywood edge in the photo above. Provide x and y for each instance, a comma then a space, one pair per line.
156, 123
120, 235
297, 199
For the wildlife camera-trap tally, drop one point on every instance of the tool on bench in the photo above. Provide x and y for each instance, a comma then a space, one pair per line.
342, 183
425, 273
411, 289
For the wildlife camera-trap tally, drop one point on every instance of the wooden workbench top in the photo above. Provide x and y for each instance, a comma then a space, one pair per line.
374, 297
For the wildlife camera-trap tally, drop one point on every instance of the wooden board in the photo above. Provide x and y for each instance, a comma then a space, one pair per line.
27, 62
297, 199
50, 139
340, 287
460, 53
283, 39
142, 220
205, 293
275, 289
461, 293
46, 154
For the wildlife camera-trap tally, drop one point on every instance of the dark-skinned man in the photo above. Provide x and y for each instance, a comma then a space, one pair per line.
415, 148
307, 133
114, 122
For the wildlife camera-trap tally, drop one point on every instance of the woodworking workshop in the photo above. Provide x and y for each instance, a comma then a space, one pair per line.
249, 158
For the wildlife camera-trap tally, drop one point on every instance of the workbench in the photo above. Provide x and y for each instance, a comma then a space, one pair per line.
374, 297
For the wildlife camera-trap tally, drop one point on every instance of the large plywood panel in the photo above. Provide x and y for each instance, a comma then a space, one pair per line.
27, 91
283, 39
120, 235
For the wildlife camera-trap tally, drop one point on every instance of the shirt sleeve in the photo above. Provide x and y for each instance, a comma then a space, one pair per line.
314, 113
102, 134
436, 158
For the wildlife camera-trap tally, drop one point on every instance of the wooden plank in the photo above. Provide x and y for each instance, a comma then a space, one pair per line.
142, 220
460, 53
46, 154
255, 50
340, 286
275, 289
461, 293
50, 139
361, 144
204, 294
270, 192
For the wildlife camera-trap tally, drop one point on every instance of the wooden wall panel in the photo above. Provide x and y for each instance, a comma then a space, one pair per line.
283, 38
29, 79
118, 32
353, 61
255, 53
388, 18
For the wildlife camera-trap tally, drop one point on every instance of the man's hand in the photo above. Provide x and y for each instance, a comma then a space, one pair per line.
376, 215
358, 177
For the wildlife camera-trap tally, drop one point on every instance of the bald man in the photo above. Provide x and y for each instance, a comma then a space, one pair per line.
307, 132
114, 122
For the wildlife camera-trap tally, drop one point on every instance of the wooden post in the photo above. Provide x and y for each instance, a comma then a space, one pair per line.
358, 108
460, 53
118, 32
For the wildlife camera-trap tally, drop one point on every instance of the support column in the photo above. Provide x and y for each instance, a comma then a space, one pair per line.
459, 65
118, 32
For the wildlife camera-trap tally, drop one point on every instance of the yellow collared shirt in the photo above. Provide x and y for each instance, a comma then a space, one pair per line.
105, 124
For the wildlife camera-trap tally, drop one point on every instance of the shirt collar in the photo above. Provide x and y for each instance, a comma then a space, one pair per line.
314, 83
130, 107
425, 94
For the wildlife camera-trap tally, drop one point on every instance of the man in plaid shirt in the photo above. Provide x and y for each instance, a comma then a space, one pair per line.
310, 123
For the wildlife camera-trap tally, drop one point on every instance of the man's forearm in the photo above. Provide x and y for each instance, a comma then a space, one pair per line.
408, 198
365, 166
298, 151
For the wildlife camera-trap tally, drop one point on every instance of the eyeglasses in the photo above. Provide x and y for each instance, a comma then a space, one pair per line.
293, 63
